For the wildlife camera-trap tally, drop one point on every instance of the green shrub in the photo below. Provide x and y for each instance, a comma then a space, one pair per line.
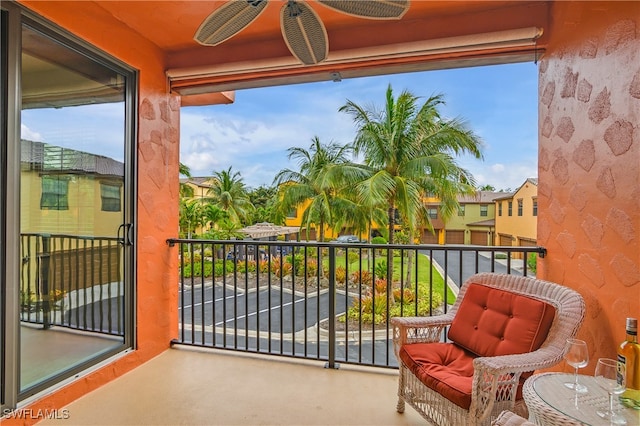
378, 240
532, 262
381, 269
353, 256
223, 267
195, 269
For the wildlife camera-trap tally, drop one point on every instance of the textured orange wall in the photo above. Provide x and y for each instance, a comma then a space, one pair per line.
158, 137
589, 163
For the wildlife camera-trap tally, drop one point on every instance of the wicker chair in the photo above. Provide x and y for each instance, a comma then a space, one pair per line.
496, 381
507, 418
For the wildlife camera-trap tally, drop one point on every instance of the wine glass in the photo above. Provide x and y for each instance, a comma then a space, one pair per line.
610, 375
577, 356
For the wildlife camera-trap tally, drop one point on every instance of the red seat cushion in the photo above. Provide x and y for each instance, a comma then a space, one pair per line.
492, 322
444, 367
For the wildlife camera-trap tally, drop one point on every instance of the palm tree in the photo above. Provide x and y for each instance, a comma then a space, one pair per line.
265, 200
212, 215
228, 192
319, 179
190, 215
186, 191
409, 152
487, 188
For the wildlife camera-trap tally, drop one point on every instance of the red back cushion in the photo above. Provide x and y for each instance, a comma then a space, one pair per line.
492, 322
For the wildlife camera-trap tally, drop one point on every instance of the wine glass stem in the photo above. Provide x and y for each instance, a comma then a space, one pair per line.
575, 378
611, 403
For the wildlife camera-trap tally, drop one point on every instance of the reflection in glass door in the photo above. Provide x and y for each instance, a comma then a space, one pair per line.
4, 22
74, 289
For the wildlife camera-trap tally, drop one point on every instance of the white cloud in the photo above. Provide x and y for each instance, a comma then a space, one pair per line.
255, 147
500, 176
253, 134
28, 134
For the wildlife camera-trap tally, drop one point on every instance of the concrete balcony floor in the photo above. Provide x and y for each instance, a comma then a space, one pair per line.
185, 386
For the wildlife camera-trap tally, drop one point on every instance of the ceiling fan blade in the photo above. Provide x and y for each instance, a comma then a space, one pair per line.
304, 33
372, 9
228, 20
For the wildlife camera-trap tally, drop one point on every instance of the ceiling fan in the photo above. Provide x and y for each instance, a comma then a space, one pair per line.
302, 29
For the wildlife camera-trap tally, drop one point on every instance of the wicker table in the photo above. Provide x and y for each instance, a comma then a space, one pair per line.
552, 403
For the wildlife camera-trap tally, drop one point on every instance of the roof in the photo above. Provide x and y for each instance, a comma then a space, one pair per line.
533, 181
480, 197
198, 181
51, 158
488, 223
266, 229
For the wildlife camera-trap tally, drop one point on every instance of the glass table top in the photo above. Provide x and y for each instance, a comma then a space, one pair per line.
582, 407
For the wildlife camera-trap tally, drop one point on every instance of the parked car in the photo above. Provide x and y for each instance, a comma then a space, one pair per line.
246, 253
348, 239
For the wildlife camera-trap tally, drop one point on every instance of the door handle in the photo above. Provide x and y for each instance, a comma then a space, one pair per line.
125, 234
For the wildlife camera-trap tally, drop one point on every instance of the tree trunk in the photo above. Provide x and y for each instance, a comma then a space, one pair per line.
391, 218
320, 239
409, 261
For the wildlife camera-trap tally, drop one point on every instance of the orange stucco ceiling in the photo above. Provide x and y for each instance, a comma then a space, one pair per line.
258, 55
172, 24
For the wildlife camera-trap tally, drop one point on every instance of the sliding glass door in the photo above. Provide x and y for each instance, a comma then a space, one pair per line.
71, 304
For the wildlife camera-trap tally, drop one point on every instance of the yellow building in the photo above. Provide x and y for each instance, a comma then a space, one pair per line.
517, 216
199, 185
473, 224
294, 218
58, 185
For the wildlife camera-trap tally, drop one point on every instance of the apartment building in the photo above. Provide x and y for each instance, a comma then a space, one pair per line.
199, 184
516, 216
473, 224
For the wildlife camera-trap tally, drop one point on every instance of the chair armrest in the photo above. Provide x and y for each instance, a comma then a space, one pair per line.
519, 363
409, 330
496, 379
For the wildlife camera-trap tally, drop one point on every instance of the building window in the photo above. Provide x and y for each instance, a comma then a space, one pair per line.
432, 212
500, 208
292, 213
461, 210
110, 195
535, 207
484, 210
55, 193
510, 210
520, 207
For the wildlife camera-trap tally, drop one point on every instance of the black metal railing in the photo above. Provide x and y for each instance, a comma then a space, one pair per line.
322, 301
72, 281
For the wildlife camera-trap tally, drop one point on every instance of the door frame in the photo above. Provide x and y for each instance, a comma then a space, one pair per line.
17, 15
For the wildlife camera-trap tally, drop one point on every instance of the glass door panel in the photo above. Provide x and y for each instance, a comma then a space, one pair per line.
72, 209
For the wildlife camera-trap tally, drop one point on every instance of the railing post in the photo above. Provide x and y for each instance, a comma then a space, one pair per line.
332, 308
45, 258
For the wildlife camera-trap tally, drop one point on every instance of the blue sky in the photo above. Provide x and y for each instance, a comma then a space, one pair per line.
498, 102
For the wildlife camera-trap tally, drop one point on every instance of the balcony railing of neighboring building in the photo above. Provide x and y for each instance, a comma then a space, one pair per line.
73, 282
323, 301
